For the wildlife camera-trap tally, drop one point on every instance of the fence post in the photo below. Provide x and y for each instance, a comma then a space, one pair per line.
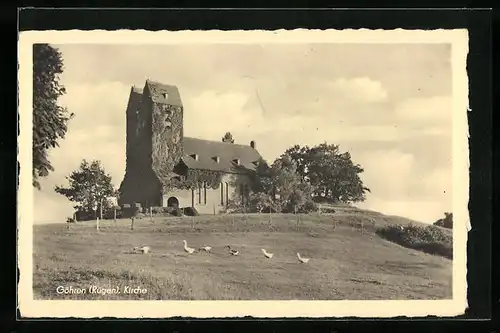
192, 222
100, 209
245, 214
233, 221
151, 214
97, 224
214, 208
132, 223
114, 214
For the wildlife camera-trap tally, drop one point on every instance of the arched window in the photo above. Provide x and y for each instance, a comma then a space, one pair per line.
222, 194
227, 193
205, 193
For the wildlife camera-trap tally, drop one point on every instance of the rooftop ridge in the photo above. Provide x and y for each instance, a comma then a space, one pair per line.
219, 142
155, 82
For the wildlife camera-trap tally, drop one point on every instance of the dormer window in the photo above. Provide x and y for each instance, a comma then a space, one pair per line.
256, 163
236, 161
216, 159
165, 95
194, 156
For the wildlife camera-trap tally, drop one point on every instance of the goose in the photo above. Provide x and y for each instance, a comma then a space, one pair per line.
143, 249
267, 254
206, 248
233, 252
302, 260
189, 250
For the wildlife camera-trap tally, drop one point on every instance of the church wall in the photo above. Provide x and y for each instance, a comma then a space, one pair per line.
207, 200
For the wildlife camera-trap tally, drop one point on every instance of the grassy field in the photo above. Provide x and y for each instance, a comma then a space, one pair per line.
348, 259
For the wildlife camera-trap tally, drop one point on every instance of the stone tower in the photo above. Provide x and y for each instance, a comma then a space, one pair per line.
133, 108
154, 142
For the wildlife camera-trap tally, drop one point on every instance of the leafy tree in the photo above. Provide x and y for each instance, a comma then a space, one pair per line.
260, 180
228, 137
446, 222
280, 186
333, 176
49, 119
300, 156
89, 186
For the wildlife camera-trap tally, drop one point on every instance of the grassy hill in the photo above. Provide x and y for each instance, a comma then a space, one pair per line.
348, 259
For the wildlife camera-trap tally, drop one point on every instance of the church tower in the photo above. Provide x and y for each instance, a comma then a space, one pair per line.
154, 142
164, 104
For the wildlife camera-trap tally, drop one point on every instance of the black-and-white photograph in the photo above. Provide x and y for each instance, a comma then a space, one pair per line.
268, 170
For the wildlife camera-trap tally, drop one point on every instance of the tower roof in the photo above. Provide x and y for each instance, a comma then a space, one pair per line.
164, 93
137, 90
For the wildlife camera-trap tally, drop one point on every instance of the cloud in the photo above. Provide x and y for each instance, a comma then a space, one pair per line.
50, 207
395, 177
421, 211
427, 111
360, 89
388, 173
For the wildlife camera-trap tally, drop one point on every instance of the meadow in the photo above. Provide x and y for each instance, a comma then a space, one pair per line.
349, 260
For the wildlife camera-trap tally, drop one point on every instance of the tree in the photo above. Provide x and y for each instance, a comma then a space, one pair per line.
284, 186
50, 120
446, 222
89, 186
228, 138
333, 176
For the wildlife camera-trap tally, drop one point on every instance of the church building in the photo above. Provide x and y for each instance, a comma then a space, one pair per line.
165, 168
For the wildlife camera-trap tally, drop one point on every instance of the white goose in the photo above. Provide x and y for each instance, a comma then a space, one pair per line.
233, 252
206, 248
143, 249
267, 254
189, 250
302, 260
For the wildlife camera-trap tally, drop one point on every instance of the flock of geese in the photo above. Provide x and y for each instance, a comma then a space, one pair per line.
208, 249
234, 252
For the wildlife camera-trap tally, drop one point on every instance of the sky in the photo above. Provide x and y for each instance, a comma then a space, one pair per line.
389, 105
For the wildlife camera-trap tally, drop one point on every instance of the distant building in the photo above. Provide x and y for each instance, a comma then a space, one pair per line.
164, 168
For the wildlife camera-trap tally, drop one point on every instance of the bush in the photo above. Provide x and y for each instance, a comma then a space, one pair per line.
327, 210
236, 206
308, 207
162, 210
177, 212
109, 214
429, 239
190, 211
